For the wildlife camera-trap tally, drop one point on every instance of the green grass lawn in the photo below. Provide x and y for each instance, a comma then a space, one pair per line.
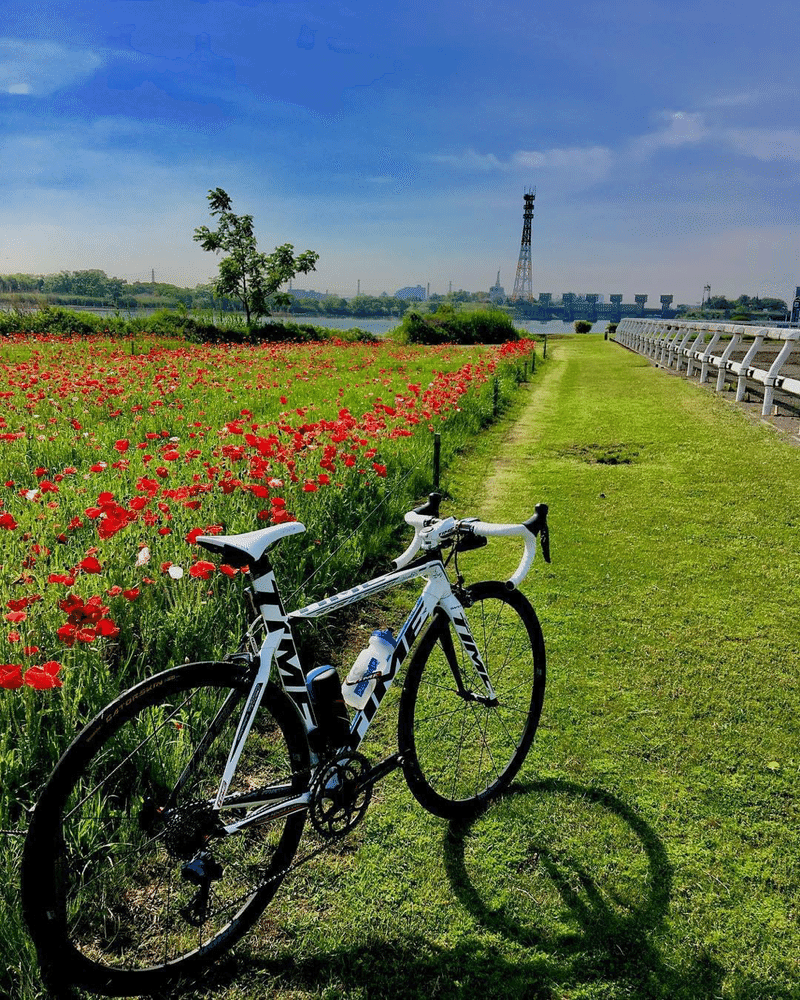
650, 845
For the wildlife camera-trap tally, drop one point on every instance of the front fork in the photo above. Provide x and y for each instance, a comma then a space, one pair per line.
454, 609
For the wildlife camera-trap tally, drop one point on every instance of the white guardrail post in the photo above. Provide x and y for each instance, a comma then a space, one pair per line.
670, 342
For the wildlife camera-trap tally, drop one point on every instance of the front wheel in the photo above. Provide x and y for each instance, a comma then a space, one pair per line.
129, 880
460, 746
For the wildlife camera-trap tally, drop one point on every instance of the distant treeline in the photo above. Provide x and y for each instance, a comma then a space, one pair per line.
744, 308
367, 306
95, 288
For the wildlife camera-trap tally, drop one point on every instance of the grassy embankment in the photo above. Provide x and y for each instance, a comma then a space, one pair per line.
651, 846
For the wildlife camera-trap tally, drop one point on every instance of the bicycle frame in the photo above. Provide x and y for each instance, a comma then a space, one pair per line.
279, 648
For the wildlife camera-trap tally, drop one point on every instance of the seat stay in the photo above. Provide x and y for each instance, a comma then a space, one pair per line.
249, 711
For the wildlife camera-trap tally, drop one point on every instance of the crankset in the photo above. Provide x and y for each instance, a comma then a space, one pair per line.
338, 798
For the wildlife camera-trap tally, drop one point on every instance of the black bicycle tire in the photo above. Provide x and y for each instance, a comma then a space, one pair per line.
44, 856
418, 773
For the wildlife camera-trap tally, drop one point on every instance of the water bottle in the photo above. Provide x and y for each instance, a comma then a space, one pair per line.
333, 719
370, 662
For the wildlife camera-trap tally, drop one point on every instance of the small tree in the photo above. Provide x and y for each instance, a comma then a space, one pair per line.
246, 274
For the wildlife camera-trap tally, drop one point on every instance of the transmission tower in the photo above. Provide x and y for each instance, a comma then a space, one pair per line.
523, 287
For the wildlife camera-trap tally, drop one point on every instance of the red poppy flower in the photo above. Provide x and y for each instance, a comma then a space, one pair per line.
107, 628
90, 565
131, 594
44, 677
280, 516
10, 676
201, 570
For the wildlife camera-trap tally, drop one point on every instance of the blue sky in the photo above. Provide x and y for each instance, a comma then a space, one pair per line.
397, 138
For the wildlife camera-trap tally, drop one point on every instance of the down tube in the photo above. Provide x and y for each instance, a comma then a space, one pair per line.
437, 590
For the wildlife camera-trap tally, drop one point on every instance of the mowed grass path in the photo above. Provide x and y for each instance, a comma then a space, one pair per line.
670, 615
650, 845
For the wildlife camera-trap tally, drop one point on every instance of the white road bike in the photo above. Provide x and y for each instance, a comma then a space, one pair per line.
172, 819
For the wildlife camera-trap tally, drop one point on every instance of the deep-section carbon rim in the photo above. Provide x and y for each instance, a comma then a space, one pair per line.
106, 890
459, 748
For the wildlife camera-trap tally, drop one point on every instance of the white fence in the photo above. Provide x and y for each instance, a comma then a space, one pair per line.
761, 359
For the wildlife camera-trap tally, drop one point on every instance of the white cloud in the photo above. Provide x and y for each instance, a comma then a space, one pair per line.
470, 160
765, 144
581, 165
682, 128
588, 164
39, 68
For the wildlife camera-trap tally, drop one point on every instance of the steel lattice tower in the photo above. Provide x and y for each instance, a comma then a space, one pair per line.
523, 287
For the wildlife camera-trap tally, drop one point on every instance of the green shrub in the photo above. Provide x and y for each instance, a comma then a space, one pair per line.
582, 326
446, 326
170, 323
51, 320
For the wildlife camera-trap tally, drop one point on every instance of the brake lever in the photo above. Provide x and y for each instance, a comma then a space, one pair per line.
537, 525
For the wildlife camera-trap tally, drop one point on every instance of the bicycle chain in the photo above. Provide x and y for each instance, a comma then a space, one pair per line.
294, 864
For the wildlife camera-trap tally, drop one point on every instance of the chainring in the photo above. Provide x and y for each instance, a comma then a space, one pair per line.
337, 797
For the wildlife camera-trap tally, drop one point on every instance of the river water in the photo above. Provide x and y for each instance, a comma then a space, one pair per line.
379, 327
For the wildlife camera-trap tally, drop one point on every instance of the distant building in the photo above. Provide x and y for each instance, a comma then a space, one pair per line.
415, 293
497, 293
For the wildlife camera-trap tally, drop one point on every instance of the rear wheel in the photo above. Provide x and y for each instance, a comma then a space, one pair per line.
129, 881
460, 746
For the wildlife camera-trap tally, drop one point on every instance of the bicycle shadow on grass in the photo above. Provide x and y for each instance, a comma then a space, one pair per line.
557, 887
587, 886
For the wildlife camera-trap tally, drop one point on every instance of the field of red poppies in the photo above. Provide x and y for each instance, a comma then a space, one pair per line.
114, 456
